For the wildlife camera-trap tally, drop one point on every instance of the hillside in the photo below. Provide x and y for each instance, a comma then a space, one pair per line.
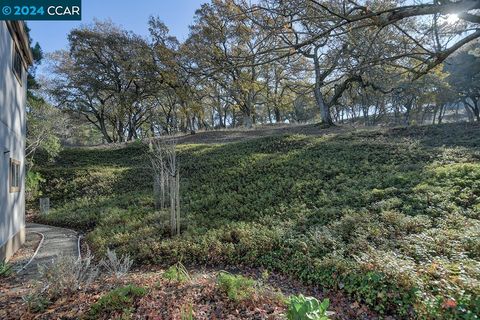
389, 216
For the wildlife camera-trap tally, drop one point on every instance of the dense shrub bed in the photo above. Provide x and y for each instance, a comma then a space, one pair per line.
392, 218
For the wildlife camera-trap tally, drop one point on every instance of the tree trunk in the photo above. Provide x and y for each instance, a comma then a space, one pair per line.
247, 121
424, 113
469, 112
325, 116
177, 198
473, 109
441, 113
173, 222
225, 118
192, 125
278, 117
104, 131
408, 108
476, 109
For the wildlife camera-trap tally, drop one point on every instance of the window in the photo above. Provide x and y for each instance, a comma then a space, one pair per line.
14, 175
17, 65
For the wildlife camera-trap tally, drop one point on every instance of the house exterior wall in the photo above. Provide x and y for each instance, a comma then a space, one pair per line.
12, 145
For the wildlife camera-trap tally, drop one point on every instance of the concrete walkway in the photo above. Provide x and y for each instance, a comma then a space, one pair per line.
57, 241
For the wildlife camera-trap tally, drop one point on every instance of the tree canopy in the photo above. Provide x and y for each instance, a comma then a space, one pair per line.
272, 62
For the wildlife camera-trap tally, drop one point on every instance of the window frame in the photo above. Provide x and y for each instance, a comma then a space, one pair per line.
14, 165
16, 55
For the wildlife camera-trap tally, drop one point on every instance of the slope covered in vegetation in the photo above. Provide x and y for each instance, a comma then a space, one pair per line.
391, 216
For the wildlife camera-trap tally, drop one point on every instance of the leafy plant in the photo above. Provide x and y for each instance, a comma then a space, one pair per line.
236, 287
32, 185
177, 272
5, 270
118, 300
307, 308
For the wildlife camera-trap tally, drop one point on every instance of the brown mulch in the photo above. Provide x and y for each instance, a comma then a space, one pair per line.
344, 307
166, 299
16, 285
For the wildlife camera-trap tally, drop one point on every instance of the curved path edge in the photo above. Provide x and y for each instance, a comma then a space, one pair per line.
56, 242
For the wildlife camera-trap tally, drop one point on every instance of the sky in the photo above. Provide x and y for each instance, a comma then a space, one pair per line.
131, 15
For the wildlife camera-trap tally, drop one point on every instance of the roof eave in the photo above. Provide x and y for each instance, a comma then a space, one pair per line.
20, 37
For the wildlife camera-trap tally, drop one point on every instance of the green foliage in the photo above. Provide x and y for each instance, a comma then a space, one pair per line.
5, 270
120, 300
380, 215
236, 287
32, 185
36, 302
177, 272
307, 308
44, 126
186, 312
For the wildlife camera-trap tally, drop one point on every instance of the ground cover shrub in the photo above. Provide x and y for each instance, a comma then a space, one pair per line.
134, 231
118, 303
380, 215
36, 302
177, 273
32, 185
5, 270
236, 287
307, 308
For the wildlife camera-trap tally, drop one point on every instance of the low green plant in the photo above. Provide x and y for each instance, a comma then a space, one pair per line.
5, 270
118, 300
36, 302
177, 272
236, 287
265, 275
366, 212
32, 185
307, 308
186, 312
